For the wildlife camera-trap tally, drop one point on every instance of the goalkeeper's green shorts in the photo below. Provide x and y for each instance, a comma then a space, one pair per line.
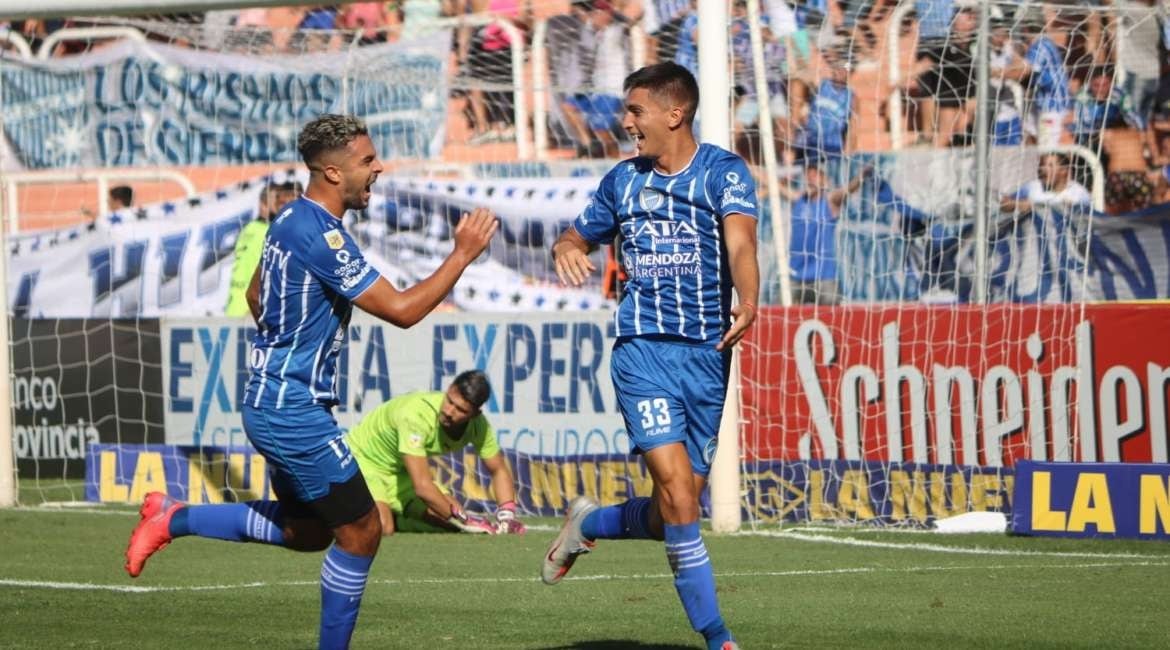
397, 491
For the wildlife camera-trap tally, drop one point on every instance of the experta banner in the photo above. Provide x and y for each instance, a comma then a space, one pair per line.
76, 383
143, 103
1092, 500
899, 494
984, 386
551, 391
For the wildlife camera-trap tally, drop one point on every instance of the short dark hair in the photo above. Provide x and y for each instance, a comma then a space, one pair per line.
669, 80
327, 133
474, 386
124, 194
1061, 157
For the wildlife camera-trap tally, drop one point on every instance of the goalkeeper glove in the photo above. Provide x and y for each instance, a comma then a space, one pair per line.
506, 521
469, 523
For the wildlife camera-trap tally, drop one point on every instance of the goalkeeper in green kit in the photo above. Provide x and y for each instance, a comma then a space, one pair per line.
392, 445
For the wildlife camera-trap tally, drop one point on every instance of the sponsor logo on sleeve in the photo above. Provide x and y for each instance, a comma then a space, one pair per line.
733, 193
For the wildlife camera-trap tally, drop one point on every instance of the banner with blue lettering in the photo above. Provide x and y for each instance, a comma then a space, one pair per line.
551, 390
893, 494
175, 258
141, 104
894, 244
1130, 500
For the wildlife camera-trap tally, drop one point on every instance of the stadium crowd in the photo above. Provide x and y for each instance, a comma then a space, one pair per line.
1091, 73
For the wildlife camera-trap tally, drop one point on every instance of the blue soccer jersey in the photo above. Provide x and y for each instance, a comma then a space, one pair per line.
828, 119
672, 241
310, 271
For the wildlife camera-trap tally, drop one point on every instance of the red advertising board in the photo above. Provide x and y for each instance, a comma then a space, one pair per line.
958, 384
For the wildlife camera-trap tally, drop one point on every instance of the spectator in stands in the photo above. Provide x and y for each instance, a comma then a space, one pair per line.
948, 80
317, 30
1054, 188
813, 239
490, 63
121, 197
934, 19
783, 56
663, 22
687, 52
1047, 82
1101, 106
571, 48
420, 17
373, 19
777, 64
1137, 34
1159, 179
285, 23
812, 14
250, 243
1160, 121
1006, 51
595, 64
1127, 192
825, 132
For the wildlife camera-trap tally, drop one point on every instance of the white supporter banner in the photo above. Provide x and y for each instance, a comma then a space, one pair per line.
551, 389
175, 258
132, 103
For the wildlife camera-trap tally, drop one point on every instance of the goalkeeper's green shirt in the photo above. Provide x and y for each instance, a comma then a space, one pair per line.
249, 246
409, 426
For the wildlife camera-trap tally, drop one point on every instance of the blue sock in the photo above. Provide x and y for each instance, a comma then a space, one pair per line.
343, 579
629, 520
254, 521
695, 581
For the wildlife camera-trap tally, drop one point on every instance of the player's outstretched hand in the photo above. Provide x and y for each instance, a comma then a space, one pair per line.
506, 521
474, 232
744, 314
573, 266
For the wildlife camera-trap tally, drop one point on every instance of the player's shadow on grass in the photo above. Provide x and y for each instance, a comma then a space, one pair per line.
617, 644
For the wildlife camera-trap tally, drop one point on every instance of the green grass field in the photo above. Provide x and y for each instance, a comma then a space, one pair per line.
62, 586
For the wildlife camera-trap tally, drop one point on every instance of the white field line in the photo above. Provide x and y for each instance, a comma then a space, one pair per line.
135, 589
801, 534
962, 550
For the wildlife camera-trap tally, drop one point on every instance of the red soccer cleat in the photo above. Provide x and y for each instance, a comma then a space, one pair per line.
152, 534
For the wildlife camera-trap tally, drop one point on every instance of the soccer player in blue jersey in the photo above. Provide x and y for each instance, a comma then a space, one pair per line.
310, 273
686, 213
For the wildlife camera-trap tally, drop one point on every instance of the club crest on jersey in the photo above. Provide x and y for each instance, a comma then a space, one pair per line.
334, 239
650, 199
709, 450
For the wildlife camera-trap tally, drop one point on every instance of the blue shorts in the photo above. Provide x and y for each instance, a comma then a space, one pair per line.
671, 390
601, 112
305, 449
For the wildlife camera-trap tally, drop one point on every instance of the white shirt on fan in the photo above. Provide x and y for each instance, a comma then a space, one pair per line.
1073, 195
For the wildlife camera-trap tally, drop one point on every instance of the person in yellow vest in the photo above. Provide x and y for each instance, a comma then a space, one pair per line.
250, 243
392, 444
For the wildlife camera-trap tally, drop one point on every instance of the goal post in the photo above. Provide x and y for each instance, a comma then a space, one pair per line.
715, 128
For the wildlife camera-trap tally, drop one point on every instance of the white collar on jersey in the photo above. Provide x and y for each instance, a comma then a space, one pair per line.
698, 146
321, 206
